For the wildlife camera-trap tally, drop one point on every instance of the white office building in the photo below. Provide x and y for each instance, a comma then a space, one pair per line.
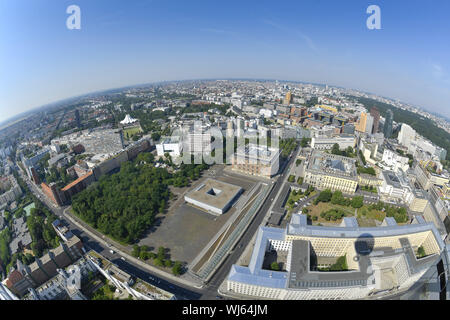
394, 161
406, 135
172, 146
324, 143
396, 186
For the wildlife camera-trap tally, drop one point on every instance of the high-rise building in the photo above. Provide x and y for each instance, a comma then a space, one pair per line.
230, 129
376, 119
369, 124
288, 98
365, 123
361, 124
406, 135
239, 128
387, 130
77, 118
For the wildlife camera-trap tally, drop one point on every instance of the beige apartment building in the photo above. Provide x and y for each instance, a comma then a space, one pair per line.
256, 160
329, 171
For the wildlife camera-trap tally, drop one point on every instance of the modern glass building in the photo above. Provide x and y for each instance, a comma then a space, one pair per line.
388, 124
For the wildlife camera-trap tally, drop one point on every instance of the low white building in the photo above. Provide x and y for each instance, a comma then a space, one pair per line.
396, 186
173, 147
395, 161
324, 143
267, 113
214, 196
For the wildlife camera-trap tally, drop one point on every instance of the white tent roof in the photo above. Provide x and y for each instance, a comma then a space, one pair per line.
128, 120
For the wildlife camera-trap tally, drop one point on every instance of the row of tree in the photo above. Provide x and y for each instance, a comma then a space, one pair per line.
368, 170
400, 214
160, 259
41, 230
349, 152
39, 224
337, 198
287, 146
333, 214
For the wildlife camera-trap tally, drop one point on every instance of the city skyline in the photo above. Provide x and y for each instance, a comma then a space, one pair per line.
123, 45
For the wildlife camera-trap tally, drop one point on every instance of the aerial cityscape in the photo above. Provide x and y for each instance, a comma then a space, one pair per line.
224, 188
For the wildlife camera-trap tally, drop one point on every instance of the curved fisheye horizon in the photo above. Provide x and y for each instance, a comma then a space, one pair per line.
50, 62
31, 110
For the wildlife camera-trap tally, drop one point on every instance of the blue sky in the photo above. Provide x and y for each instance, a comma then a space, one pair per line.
132, 42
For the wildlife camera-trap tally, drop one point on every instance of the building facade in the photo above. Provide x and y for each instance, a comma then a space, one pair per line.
256, 160
13, 190
329, 171
379, 260
327, 143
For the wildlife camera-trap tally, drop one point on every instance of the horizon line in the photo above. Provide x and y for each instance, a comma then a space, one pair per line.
25, 114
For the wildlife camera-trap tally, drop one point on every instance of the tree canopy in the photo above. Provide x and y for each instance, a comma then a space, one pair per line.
123, 205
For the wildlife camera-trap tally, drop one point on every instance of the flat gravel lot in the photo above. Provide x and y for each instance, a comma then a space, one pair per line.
186, 230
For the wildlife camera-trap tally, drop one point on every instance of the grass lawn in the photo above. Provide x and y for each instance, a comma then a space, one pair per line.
365, 217
130, 132
316, 210
371, 214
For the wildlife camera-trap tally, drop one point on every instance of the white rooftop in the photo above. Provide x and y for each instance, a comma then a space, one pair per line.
128, 120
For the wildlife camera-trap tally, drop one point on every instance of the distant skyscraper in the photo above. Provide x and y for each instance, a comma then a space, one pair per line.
376, 119
77, 118
365, 123
230, 130
361, 124
288, 98
406, 135
369, 124
239, 127
387, 130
